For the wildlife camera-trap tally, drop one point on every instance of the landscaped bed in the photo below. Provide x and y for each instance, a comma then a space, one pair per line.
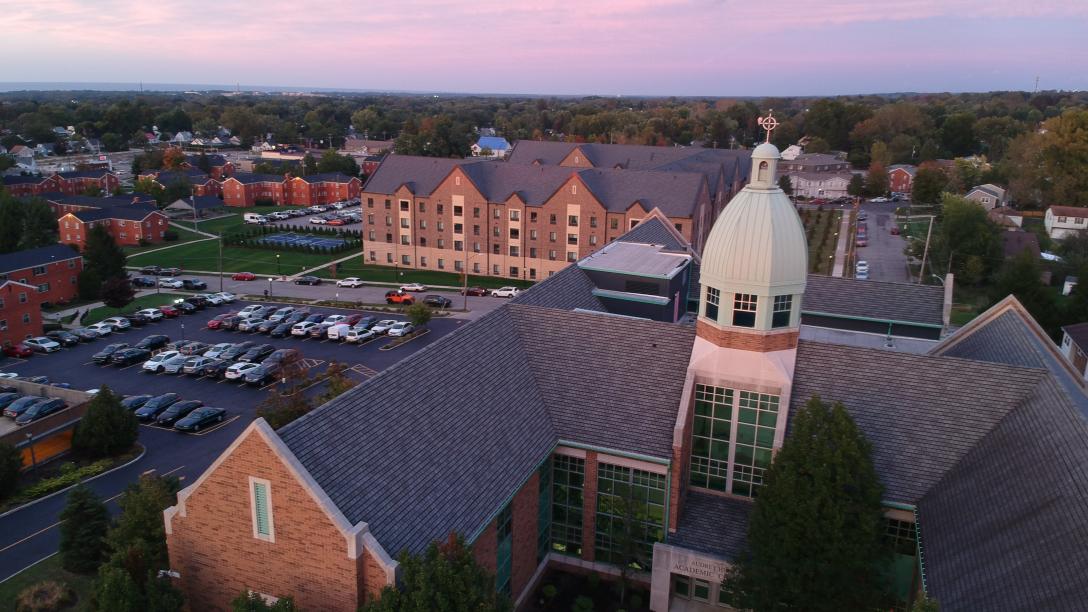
821, 231
49, 569
57, 475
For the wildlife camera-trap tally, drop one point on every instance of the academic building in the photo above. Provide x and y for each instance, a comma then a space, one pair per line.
528, 429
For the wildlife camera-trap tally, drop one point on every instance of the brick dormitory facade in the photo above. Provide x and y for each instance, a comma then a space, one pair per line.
130, 219
29, 279
549, 205
64, 183
538, 414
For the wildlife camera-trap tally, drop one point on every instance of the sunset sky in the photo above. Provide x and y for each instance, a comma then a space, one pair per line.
610, 47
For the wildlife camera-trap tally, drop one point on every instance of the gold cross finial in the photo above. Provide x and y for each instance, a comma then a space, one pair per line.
768, 123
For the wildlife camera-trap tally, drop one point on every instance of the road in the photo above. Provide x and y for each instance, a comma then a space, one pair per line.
887, 262
30, 535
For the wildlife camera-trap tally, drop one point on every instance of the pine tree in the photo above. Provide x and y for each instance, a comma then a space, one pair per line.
815, 536
84, 523
106, 429
102, 255
11, 462
785, 184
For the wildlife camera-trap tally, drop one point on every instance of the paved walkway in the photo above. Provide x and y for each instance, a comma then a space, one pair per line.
841, 248
329, 263
189, 229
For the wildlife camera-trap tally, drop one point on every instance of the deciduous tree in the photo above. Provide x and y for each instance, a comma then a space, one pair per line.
253, 602
929, 182
173, 158
876, 180
785, 184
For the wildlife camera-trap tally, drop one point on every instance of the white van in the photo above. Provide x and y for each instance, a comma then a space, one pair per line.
255, 218
338, 331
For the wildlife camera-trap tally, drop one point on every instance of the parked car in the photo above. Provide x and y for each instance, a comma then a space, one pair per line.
212, 299
383, 326
296, 316
169, 311
154, 406
402, 328
284, 355
41, 344
862, 275
437, 301
195, 300
281, 314
200, 418
506, 292
861, 241
357, 334
185, 307
129, 356
399, 297
104, 355
337, 332
216, 321
170, 272
266, 327
216, 368
351, 281
136, 319
19, 406
302, 329
153, 342
193, 284
862, 265
85, 335
263, 374
157, 363
7, 397
174, 364
251, 310
133, 402
250, 325
230, 323
152, 270
194, 366
321, 329
365, 322
239, 370
880, 200
237, 350
216, 351
281, 330
480, 291
170, 283
317, 317
176, 411
117, 323
40, 410
142, 281
417, 287
257, 353
18, 350
227, 297
194, 347
307, 280
894, 230
244, 276
64, 338
151, 313
101, 328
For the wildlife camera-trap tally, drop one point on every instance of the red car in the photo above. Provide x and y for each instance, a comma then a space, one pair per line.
399, 297
474, 291
244, 276
18, 350
336, 222
169, 311
218, 320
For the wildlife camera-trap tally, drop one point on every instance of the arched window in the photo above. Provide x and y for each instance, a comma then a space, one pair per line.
762, 175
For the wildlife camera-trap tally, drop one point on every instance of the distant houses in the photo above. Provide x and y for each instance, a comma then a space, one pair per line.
490, 146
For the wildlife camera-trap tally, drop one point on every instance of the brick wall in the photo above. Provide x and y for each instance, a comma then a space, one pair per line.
213, 548
747, 340
525, 512
486, 548
13, 328
61, 276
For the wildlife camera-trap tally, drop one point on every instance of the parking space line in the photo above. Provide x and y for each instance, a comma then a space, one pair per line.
217, 426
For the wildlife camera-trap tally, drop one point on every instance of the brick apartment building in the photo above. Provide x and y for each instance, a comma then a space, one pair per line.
901, 177
52, 271
20, 312
25, 186
551, 408
529, 220
322, 188
218, 166
246, 189
67, 183
201, 183
129, 219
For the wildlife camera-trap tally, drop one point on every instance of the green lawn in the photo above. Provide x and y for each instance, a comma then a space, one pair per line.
147, 301
184, 236
50, 569
821, 229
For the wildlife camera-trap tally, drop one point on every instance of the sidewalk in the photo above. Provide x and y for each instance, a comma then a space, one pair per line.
840, 249
189, 229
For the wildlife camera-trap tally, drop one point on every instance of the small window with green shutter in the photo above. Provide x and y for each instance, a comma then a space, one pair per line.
260, 496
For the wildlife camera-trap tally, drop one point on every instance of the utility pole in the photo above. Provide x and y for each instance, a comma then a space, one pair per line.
220, 261
925, 252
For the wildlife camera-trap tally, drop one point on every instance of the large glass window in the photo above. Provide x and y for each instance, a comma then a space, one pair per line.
505, 527
568, 474
713, 298
630, 515
710, 437
744, 310
757, 415
783, 307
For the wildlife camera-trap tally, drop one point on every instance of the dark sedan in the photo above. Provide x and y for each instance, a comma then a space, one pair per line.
193, 283
200, 418
257, 353
281, 331
236, 351
143, 281
216, 368
185, 307
267, 327
317, 317
106, 353
153, 342
437, 301
7, 398
479, 291
129, 356
85, 335
170, 272
154, 406
133, 402
230, 322
297, 316
307, 280
21, 405
40, 410
177, 411
263, 374
63, 338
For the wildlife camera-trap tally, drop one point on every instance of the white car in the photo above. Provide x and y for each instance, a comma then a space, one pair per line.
118, 323
413, 287
170, 283
337, 332
402, 328
152, 314
102, 328
239, 370
318, 221
862, 266
383, 326
303, 328
8, 375
41, 344
359, 334
216, 351
880, 200
248, 310
334, 319
157, 363
279, 216
227, 297
211, 298
350, 282
281, 314
506, 292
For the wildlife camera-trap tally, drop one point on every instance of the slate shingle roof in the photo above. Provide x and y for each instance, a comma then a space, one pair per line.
420, 174
500, 392
214, 160
907, 302
653, 231
23, 180
328, 177
100, 202
1078, 333
128, 212
21, 260
922, 413
96, 174
191, 175
568, 289
248, 178
713, 524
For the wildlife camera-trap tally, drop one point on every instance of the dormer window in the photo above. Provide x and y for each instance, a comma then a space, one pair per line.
783, 308
761, 176
713, 298
744, 310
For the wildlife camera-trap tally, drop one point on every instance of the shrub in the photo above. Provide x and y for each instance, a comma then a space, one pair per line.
66, 479
46, 596
583, 604
169, 235
11, 461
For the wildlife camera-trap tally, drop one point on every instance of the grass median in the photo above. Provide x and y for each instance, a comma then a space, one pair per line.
152, 300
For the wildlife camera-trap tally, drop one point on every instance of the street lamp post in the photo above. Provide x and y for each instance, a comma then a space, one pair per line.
269, 292
277, 266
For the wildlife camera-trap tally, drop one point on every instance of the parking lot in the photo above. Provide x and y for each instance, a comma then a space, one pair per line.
350, 215
75, 367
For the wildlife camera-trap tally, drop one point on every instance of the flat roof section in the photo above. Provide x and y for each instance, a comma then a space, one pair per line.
650, 260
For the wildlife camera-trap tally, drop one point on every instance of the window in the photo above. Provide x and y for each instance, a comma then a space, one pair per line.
404, 204
458, 245
532, 273
744, 310
504, 527
387, 204
514, 251
22, 297
43, 288
679, 227
902, 536
551, 255
1061, 219
625, 496
389, 237
422, 224
572, 220
389, 258
593, 239
681, 586
3, 324
574, 188
441, 243
495, 249
371, 234
405, 260
532, 252
713, 298
543, 510
572, 239
515, 215
38, 270
404, 240
552, 236
757, 416
456, 264
26, 319
532, 216
422, 241
572, 256
475, 247
370, 202
568, 475
700, 590
614, 223
498, 213
513, 271
476, 212
552, 219
404, 222
260, 493
422, 262
495, 231
710, 436
515, 233
388, 221
372, 258
495, 270
458, 228
593, 221
441, 208
783, 308
370, 219
441, 264
441, 226
457, 181
422, 207
532, 235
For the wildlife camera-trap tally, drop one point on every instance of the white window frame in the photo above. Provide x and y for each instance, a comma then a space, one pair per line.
271, 537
